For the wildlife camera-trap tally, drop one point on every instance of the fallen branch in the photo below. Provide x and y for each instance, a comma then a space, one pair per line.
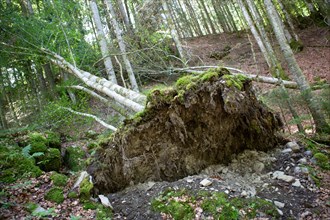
117, 108
91, 116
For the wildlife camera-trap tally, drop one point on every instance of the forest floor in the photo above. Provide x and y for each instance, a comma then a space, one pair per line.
288, 177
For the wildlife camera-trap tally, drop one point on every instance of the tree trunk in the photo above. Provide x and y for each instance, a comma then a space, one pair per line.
255, 32
122, 45
174, 34
319, 119
103, 42
126, 97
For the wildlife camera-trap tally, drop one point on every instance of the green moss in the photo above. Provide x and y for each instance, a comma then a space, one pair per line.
30, 207
322, 160
15, 166
53, 139
90, 205
38, 143
179, 205
92, 145
55, 195
72, 195
85, 189
235, 80
103, 213
59, 179
74, 158
51, 161
255, 126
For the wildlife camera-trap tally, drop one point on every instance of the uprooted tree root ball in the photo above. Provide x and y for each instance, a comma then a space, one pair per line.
204, 120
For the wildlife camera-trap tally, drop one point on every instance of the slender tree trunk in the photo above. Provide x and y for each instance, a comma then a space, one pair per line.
288, 19
207, 13
184, 19
255, 32
102, 42
174, 34
319, 119
193, 18
122, 45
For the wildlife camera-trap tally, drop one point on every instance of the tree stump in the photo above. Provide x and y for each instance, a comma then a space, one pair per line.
202, 121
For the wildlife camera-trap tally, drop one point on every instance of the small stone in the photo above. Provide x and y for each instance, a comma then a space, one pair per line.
293, 145
227, 191
258, 167
105, 201
308, 153
297, 170
189, 180
225, 170
305, 214
265, 185
288, 150
244, 193
279, 212
302, 160
205, 182
304, 170
296, 183
38, 210
279, 204
281, 176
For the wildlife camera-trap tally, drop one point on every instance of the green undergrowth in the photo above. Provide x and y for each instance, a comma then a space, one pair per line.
180, 205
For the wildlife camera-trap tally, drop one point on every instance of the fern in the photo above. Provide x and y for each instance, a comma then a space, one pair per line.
26, 151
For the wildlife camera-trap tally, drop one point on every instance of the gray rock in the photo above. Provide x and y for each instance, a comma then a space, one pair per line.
308, 153
205, 182
288, 150
279, 204
281, 176
305, 214
304, 170
82, 176
293, 146
302, 160
296, 183
38, 210
105, 201
297, 170
279, 211
244, 193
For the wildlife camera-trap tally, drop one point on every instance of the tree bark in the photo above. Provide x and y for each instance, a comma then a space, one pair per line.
102, 42
319, 119
122, 45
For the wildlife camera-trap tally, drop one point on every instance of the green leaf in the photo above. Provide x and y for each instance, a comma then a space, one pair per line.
26, 151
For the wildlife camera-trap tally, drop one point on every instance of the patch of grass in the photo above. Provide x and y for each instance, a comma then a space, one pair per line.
90, 205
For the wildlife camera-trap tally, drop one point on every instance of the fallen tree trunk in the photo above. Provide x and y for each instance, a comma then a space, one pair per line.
126, 97
203, 121
115, 107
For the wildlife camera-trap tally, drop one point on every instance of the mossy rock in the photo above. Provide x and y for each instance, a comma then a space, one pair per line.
53, 140
85, 189
51, 161
59, 179
38, 143
55, 195
15, 166
74, 158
